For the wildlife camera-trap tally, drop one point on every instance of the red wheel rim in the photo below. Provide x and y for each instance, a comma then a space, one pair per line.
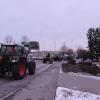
21, 69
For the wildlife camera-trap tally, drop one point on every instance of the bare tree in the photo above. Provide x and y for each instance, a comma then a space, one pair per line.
25, 39
9, 40
70, 52
64, 48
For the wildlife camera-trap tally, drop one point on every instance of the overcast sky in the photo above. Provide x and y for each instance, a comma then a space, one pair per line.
49, 21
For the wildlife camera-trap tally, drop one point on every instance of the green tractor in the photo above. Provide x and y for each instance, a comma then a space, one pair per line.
14, 62
47, 59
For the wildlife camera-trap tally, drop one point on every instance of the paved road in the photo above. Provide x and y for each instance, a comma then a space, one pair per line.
80, 82
41, 86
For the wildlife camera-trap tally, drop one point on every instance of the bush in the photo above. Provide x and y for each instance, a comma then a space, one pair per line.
83, 67
70, 68
93, 69
71, 61
86, 63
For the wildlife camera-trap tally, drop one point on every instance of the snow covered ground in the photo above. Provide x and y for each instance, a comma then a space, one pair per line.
61, 71
86, 76
82, 75
69, 94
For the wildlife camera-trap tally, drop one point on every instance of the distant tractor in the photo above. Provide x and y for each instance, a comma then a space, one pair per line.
14, 61
56, 58
47, 59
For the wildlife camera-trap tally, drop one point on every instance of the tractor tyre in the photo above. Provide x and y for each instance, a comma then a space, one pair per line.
51, 61
44, 61
31, 68
19, 69
2, 74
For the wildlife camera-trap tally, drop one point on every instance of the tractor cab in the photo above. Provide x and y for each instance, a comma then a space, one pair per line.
11, 50
10, 53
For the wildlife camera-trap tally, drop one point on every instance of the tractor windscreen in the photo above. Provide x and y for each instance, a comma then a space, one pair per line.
11, 50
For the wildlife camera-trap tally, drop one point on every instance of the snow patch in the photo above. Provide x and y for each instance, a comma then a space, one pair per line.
74, 87
86, 76
69, 94
72, 73
61, 71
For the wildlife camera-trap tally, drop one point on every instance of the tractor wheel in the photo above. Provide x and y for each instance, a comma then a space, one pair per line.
51, 61
19, 70
2, 74
31, 68
44, 61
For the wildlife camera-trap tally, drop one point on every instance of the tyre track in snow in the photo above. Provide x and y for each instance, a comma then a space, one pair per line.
44, 85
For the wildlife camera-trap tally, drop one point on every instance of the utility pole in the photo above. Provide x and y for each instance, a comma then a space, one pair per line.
55, 46
64, 43
64, 46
